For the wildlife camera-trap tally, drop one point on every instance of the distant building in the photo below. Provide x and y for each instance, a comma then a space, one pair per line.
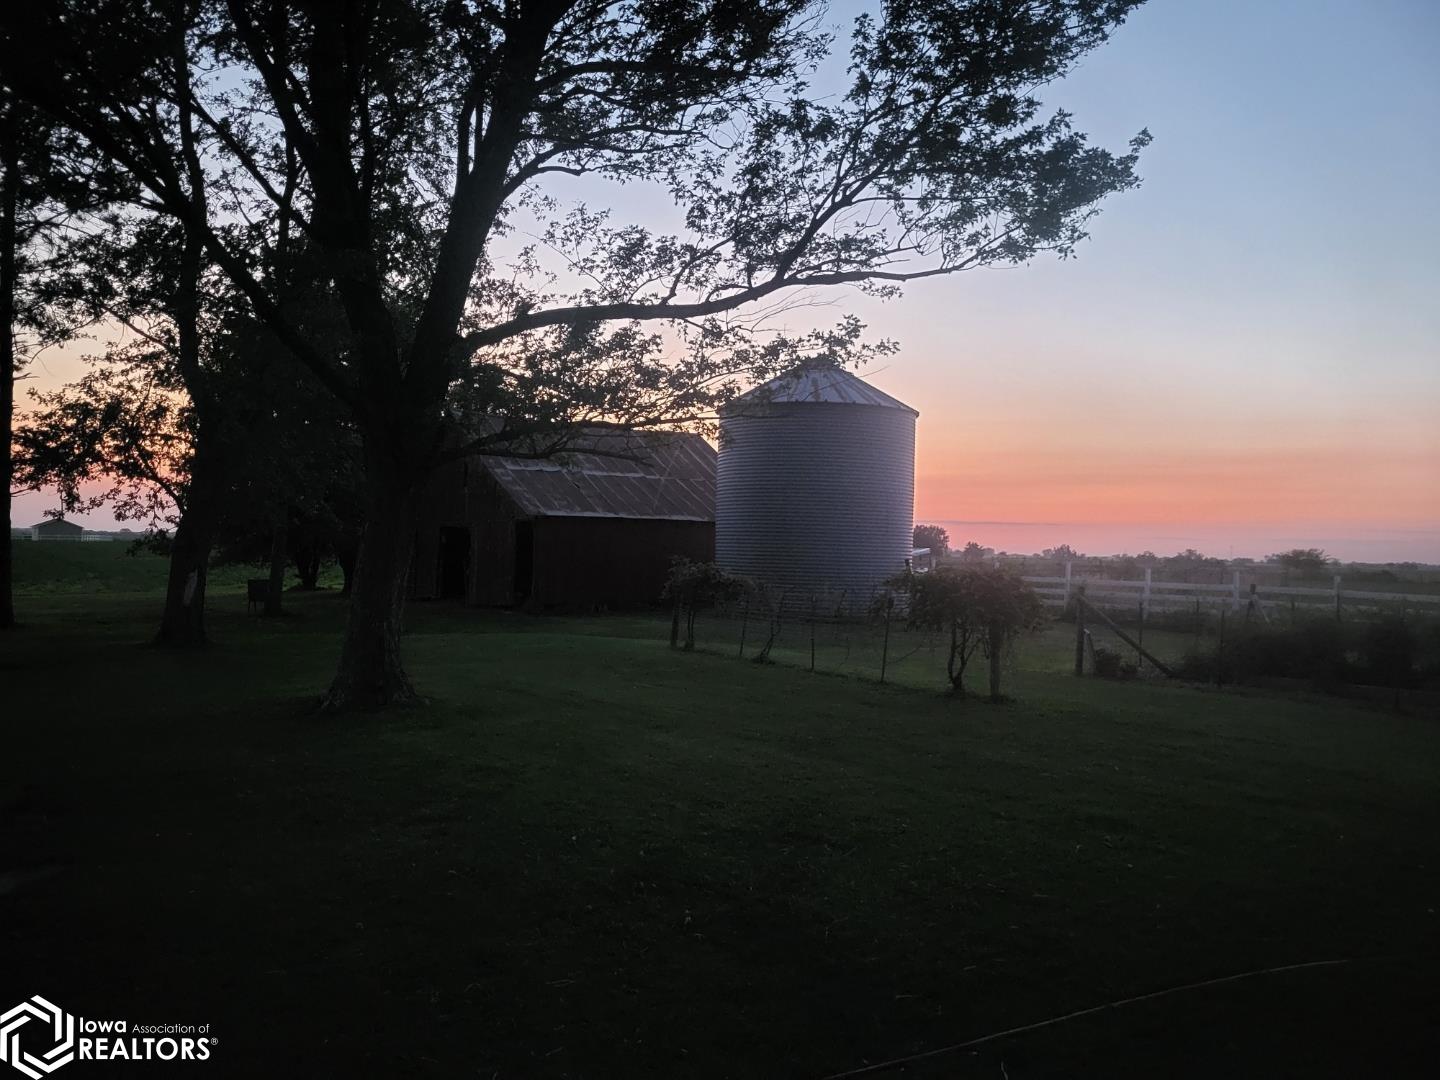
57, 529
593, 528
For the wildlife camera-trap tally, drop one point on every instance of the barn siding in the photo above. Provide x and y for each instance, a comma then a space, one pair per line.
611, 563
581, 561
492, 517
442, 502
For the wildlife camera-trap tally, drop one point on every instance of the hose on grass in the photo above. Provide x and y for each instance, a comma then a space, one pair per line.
895, 1062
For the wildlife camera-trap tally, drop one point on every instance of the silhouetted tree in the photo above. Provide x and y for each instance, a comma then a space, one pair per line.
45, 186
980, 608
1307, 562
404, 137
691, 586
933, 537
974, 553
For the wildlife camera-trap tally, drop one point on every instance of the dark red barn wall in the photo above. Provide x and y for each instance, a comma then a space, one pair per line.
443, 501
579, 564
492, 516
609, 563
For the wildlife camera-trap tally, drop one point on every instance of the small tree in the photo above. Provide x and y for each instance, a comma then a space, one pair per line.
1008, 608
933, 537
982, 608
1307, 562
974, 553
1061, 553
691, 586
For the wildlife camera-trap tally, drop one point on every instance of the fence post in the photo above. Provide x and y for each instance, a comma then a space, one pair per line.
1220, 652
1067, 583
1080, 631
1140, 636
744, 622
812, 633
1145, 599
1235, 593
885, 646
1337, 597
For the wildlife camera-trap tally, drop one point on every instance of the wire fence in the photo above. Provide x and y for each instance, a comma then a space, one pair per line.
1206, 640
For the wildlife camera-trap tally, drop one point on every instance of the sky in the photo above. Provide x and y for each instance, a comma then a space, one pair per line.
1245, 355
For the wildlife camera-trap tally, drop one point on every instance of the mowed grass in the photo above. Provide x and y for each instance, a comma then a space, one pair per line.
592, 857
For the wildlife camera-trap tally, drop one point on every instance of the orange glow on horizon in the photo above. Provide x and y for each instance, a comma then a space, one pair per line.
1098, 486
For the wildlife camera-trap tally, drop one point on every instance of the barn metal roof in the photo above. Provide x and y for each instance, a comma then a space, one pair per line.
667, 476
824, 383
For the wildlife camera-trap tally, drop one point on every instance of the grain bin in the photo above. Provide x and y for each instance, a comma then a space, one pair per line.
815, 485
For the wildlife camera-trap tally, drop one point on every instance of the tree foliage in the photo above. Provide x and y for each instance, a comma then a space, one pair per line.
45, 187
973, 552
933, 537
693, 586
1307, 562
979, 608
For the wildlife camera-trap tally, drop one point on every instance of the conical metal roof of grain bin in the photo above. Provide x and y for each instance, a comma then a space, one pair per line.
815, 486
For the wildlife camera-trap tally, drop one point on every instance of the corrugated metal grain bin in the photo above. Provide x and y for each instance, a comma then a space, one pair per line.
815, 485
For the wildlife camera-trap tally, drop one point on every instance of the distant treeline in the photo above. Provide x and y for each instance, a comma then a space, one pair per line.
1295, 564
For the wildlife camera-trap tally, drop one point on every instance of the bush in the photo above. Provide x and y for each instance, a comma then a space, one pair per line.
1390, 651
692, 586
1316, 649
1110, 664
982, 608
1389, 648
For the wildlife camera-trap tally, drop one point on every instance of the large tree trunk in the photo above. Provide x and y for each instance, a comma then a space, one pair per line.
997, 648
370, 675
183, 622
345, 552
9, 200
279, 559
307, 567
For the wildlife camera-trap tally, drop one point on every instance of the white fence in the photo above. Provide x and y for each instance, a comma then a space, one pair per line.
1148, 594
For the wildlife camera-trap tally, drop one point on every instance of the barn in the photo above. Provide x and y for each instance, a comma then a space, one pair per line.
57, 529
593, 528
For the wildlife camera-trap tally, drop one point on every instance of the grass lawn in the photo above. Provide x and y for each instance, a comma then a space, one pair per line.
593, 857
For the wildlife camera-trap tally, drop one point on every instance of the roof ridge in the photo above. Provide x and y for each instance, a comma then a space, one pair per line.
818, 383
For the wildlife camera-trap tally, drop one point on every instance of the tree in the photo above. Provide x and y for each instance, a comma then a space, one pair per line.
1307, 562
43, 189
933, 537
974, 553
691, 586
406, 138
980, 608
129, 434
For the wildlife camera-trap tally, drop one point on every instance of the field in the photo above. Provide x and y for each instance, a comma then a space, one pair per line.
591, 856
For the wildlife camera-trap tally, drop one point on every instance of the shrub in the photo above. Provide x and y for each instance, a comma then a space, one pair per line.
692, 586
982, 608
1316, 649
1389, 648
1110, 664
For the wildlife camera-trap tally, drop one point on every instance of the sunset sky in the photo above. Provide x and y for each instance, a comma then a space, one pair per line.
1246, 354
